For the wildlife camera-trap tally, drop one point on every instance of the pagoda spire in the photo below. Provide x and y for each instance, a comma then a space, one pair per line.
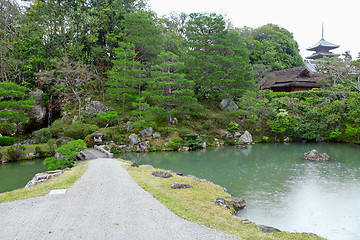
322, 48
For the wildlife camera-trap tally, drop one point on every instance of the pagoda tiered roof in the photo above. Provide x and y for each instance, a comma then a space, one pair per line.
322, 46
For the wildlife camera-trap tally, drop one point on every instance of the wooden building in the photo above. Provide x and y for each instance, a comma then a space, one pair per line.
293, 79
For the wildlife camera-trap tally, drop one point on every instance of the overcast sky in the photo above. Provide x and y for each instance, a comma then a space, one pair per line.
302, 18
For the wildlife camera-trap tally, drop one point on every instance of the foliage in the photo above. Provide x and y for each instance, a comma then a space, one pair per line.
79, 130
233, 126
272, 46
68, 153
16, 152
15, 106
7, 141
175, 143
217, 60
41, 136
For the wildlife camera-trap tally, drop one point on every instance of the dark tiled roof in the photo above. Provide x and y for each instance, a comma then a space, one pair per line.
322, 44
293, 77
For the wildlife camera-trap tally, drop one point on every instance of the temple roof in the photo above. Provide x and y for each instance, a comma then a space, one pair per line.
322, 46
318, 55
297, 77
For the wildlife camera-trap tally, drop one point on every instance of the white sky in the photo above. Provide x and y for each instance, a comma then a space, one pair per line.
302, 18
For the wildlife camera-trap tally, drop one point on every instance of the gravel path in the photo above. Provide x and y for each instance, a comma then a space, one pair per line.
105, 203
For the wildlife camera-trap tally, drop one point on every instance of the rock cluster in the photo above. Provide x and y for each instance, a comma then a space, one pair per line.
314, 155
41, 177
177, 185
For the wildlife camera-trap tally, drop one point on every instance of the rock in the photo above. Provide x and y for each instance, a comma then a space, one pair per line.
237, 134
134, 139
225, 190
203, 145
147, 132
162, 174
228, 105
38, 110
268, 229
178, 173
30, 155
287, 139
245, 222
246, 138
128, 126
314, 155
134, 165
41, 177
225, 134
98, 136
177, 185
143, 146
156, 135
93, 108
194, 177
149, 166
174, 121
223, 203
184, 149
238, 203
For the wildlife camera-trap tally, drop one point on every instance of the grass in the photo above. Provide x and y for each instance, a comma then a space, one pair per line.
63, 181
30, 148
197, 204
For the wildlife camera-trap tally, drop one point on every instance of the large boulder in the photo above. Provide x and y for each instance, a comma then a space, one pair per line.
38, 110
228, 105
143, 146
93, 108
246, 138
134, 139
267, 229
222, 203
147, 132
314, 155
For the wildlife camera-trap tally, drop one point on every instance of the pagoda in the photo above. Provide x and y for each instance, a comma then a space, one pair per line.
322, 48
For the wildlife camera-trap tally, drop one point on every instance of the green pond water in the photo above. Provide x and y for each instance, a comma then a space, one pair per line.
16, 175
280, 188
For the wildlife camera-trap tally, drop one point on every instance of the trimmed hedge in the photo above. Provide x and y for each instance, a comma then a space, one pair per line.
7, 141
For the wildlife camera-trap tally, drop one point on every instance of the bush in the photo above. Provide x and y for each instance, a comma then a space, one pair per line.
41, 136
7, 129
79, 130
118, 138
7, 141
175, 143
89, 140
16, 152
68, 153
62, 141
233, 126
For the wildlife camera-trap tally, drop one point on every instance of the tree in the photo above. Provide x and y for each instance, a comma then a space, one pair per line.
338, 71
15, 106
217, 60
9, 18
70, 78
273, 46
169, 88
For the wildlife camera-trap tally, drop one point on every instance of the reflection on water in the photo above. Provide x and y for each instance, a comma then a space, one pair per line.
16, 175
280, 188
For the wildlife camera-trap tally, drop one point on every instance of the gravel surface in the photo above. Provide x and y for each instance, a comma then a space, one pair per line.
105, 203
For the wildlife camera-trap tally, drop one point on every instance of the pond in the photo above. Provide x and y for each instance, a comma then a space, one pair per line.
16, 175
280, 188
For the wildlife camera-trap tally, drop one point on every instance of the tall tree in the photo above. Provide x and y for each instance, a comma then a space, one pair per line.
169, 89
217, 60
9, 18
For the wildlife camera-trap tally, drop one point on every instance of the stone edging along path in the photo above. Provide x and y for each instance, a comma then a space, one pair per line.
105, 203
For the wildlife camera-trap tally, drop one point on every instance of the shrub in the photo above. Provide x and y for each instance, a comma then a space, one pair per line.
89, 140
41, 136
233, 126
7, 141
7, 129
116, 149
16, 152
67, 153
222, 120
175, 143
56, 132
62, 141
117, 138
79, 130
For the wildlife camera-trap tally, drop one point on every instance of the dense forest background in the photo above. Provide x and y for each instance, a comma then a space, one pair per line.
169, 73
